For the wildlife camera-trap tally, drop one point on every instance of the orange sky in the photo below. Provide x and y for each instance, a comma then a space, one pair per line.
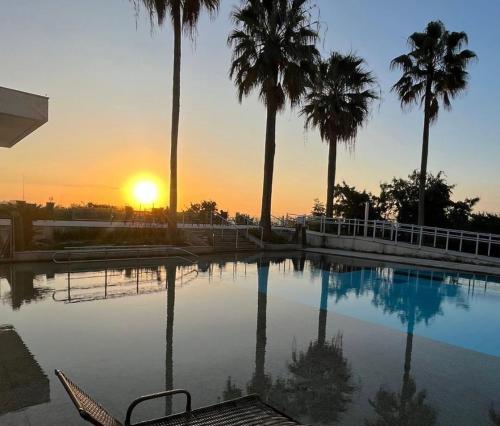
109, 83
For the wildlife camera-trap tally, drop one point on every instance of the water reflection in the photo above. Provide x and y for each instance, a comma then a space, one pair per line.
23, 383
319, 385
22, 287
323, 379
169, 353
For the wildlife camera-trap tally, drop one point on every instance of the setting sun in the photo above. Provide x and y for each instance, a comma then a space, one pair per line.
145, 192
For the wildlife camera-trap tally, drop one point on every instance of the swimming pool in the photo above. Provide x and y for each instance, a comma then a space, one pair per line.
328, 340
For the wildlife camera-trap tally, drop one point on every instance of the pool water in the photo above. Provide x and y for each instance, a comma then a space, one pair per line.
327, 340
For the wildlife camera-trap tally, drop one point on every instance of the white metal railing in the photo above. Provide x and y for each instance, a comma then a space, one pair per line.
448, 240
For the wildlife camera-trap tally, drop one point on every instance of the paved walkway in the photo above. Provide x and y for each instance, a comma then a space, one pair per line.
439, 264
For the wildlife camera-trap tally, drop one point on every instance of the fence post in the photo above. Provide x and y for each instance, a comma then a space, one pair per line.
374, 228
396, 233
338, 227
411, 240
367, 206
421, 235
383, 230
461, 239
477, 244
447, 239
489, 246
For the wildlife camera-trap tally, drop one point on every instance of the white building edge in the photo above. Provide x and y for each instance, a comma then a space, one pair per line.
21, 113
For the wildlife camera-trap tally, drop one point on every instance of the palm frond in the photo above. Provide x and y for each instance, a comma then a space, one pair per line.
435, 67
273, 47
338, 101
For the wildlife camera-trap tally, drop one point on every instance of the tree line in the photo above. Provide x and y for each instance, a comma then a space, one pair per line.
399, 199
274, 53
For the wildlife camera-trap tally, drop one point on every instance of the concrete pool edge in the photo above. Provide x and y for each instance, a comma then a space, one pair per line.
47, 255
415, 261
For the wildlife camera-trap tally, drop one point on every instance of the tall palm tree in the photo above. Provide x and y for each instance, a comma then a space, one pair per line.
434, 72
184, 15
273, 50
338, 103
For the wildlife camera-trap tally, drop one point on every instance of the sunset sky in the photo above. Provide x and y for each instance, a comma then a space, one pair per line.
109, 82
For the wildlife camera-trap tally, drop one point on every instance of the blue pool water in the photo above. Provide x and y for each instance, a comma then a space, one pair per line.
458, 310
327, 340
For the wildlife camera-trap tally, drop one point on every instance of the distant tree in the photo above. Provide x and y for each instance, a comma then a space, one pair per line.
485, 222
350, 203
184, 15
400, 199
204, 206
318, 208
460, 215
273, 51
338, 104
434, 71
243, 219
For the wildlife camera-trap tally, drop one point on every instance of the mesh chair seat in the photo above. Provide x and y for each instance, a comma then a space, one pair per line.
249, 410
246, 411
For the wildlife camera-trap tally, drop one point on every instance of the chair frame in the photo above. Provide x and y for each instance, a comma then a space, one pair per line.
99, 412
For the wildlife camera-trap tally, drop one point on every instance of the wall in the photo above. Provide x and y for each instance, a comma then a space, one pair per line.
368, 245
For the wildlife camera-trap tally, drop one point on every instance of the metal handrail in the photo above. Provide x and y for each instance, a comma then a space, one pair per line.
422, 236
120, 249
228, 223
122, 285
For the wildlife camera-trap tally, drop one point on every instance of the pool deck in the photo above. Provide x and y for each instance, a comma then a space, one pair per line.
436, 264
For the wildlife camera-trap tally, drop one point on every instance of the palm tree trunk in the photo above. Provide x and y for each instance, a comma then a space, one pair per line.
332, 168
176, 95
267, 187
425, 152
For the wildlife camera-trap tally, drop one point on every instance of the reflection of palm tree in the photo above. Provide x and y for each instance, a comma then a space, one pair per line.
169, 363
320, 384
260, 382
494, 417
323, 306
412, 303
232, 391
402, 409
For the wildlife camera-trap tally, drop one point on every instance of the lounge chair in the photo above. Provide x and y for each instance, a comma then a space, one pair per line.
248, 410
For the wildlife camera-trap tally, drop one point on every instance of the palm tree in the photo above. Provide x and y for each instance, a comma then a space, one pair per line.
338, 103
273, 50
184, 15
434, 72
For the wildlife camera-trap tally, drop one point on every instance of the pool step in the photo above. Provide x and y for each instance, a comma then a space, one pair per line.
226, 241
220, 240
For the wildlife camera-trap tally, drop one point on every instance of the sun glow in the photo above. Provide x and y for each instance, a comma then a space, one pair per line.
145, 192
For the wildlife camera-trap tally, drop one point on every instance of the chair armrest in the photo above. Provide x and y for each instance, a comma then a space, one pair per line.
155, 396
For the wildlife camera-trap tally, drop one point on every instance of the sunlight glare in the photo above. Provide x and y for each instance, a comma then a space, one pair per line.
145, 192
